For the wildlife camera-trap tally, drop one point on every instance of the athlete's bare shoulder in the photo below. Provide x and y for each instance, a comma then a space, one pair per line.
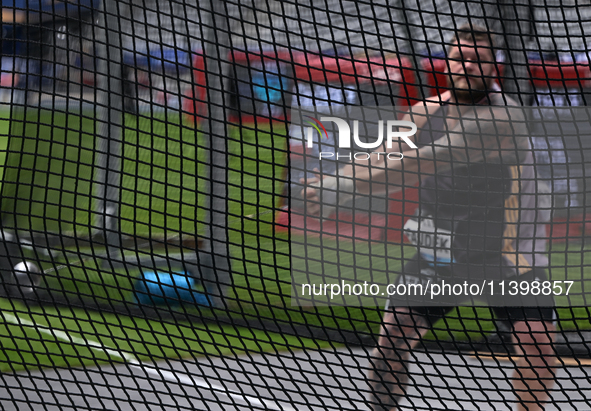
439, 99
418, 112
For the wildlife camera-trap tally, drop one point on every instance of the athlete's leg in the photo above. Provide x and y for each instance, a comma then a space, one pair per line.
388, 377
534, 374
534, 332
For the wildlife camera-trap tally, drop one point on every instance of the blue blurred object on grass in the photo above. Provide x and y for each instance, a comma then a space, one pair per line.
165, 288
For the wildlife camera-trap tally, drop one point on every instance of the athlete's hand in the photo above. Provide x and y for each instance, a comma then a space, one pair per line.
310, 194
323, 194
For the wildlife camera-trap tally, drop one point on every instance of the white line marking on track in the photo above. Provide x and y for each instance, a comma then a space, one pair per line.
562, 361
171, 376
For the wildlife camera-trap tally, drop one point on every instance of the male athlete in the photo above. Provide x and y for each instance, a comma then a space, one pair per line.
478, 218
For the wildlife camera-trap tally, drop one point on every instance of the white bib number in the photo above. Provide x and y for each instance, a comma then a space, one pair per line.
434, 243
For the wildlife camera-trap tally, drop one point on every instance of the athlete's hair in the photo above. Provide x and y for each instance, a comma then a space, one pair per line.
474, 34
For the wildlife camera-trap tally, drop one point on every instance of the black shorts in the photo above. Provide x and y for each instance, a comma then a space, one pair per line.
506, 308
509, 314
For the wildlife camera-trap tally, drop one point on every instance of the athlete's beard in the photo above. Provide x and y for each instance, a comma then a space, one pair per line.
468, 93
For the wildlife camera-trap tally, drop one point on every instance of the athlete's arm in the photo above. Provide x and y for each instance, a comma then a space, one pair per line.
323, 193
483, 134
377, 167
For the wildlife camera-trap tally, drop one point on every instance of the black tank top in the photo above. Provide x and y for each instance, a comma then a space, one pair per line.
468, 200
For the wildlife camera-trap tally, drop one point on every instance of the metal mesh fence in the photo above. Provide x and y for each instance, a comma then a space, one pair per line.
180, 204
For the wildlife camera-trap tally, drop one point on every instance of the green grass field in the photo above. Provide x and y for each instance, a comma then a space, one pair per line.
51, 157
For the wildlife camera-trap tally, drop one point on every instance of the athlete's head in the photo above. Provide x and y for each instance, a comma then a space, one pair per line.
471, 62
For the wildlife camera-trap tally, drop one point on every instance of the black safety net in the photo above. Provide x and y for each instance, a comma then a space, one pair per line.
295, 205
